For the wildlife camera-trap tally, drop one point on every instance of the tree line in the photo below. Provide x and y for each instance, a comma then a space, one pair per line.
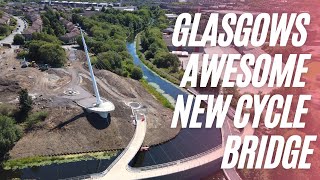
156, 51
108, 33
43, 48
51, 22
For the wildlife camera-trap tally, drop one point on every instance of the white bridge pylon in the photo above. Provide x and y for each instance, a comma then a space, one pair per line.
100, 107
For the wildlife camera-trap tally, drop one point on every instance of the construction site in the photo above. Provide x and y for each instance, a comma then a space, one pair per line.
69, 128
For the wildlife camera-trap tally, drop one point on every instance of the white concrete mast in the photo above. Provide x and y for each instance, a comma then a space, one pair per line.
101, 107
94, 83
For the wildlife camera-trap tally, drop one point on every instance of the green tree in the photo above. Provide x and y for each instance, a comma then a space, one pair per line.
52, 54
52, 24
9, 133
45, 37
103, 9
25, 102
4, 30
109, 31
13, 22
77, 10
18, 39
34, 47
136, 73
167, 60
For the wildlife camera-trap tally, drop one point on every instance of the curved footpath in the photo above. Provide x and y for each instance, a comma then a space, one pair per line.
119, 168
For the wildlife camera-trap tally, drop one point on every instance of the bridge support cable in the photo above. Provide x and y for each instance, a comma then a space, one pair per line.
165, 153
151, 157
173, 144
201, 144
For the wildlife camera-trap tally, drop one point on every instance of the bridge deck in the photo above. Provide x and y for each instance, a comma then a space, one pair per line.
120, 169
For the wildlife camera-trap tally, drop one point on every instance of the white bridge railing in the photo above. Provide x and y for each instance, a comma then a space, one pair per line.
180, 161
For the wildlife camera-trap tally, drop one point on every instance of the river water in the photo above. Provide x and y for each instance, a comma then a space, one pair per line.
187, 143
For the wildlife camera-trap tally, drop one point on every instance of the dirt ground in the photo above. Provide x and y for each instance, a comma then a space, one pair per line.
70, 129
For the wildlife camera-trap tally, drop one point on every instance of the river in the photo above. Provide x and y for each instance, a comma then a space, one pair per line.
187, 143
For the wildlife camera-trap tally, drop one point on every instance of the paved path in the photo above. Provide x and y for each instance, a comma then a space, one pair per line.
119, 168
229, 129
22, 24
231, 174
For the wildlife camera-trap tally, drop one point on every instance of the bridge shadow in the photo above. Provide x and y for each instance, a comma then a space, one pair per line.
97, 121
94, 119
61, 125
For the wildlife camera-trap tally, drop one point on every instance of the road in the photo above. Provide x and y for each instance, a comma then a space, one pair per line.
21, 26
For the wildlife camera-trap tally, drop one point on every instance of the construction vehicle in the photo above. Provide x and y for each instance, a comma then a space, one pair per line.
144, 148
6, 45
44, 67
24, 64
33, 64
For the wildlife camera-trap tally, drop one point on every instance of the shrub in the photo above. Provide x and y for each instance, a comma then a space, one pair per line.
35, 118
25, 105
9, 133
18, 39
22, 54
136, 73
7, 110
25, 101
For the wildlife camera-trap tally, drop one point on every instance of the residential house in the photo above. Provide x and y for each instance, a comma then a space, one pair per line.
71, 37
36, 26
73, 32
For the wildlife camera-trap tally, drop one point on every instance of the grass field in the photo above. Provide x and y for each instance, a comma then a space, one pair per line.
47, 160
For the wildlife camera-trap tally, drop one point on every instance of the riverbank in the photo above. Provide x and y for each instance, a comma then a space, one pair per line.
153, 91
153, 67
37, 161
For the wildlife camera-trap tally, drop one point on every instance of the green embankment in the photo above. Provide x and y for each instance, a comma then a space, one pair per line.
153, 91
153, 67
47, 160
